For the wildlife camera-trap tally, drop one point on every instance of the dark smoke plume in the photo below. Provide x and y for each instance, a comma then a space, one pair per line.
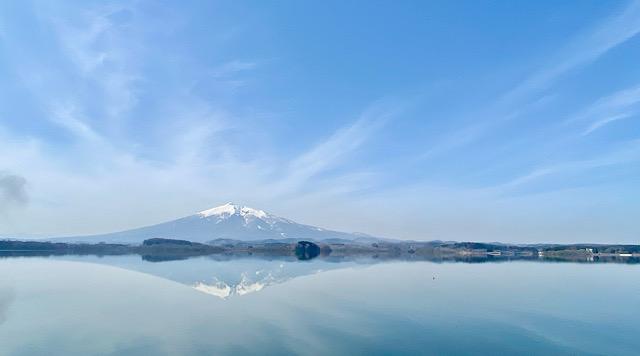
12, 191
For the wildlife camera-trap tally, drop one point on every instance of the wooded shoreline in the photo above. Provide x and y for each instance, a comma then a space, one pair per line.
158, 250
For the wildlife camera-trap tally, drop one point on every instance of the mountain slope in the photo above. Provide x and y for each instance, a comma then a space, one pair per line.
227, 221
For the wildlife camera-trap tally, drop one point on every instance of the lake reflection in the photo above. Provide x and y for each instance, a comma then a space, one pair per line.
123, 305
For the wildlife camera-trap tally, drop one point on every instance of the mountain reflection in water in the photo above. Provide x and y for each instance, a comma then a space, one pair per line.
125, 305
223, 277
228, 276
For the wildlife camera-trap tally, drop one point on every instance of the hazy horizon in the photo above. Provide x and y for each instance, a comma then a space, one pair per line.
488, 121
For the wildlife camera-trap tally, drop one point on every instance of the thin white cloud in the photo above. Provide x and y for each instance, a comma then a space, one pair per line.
587, 47
617, 106
619, 100
327, 154
67, 117
476, 130
330, 153
598, 124
455, 140
104, 53
530, 176
624, 154
233, 67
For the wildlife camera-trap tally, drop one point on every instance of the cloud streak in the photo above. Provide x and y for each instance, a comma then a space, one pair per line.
332, 152
617, 106
627, 153
590, 46
233, 67
584, 49
600, 123
103, 52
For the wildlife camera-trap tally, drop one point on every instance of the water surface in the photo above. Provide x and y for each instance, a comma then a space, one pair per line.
123, 305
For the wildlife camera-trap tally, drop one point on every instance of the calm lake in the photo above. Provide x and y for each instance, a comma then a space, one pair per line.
72, 305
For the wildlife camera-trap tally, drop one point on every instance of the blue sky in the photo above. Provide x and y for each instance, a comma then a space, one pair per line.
486, 121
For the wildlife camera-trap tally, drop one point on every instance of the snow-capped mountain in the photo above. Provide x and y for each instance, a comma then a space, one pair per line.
227, 221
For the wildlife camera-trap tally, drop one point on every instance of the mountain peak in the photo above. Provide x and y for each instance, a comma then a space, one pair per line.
228, 221
229, 209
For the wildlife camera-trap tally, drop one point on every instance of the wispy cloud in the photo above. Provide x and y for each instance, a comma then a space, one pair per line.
628, 152
617, 106
598, 124
454, 140
330, 153
233, 67
104, 53
67, 117
530, 176
586, 48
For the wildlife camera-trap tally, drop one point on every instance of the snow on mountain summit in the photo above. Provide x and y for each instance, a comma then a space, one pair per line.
232, 209
229, 210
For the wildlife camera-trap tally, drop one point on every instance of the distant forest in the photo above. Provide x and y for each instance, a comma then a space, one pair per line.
160, 249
